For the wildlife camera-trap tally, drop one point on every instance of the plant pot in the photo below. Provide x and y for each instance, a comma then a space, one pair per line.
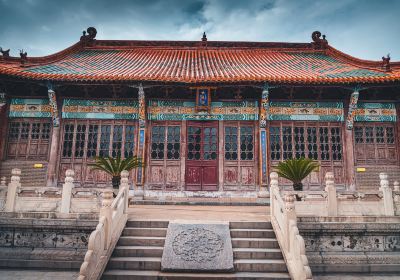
298, 186
116, 181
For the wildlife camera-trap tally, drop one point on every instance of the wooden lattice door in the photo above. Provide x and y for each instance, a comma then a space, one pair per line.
202, 156
28, 139
375, 143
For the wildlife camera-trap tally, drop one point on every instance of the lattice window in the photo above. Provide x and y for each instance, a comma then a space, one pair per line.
117, 141
287, 142
312, 143
80, 140
231, 146
35, 132
380, 134
92, 140
336, 143
68, 140
194, 140
157, 142
369, 134
389, 135
210, 143
275, 140
246, 143
46, 128
105, 140
173, 140
129, 141
299, 142
25, 130
359, 135
324, 143
13, 133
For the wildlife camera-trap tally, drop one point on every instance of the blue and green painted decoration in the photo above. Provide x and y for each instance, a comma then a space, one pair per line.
162, 110
306, 111
375, 112
30, 108
100, 109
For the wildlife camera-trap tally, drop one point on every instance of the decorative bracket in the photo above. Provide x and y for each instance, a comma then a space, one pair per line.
353, 106
264, 108
53, 104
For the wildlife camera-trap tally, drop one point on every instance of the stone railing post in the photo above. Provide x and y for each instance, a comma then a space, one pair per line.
12, 189
387, 195
273, 185
332, 203
290, 215
3, 182
396, 186
67, 191
125, 186
106, 211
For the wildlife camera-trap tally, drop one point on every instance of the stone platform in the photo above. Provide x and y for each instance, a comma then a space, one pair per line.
198, 247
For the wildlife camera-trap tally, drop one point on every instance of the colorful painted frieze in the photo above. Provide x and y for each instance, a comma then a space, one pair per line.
161, 110
100, 109
30, 108
375, 112
306, 111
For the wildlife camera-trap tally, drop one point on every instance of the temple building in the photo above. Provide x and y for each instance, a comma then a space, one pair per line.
209, 118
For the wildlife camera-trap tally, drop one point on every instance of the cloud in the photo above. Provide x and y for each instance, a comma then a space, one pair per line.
365, 29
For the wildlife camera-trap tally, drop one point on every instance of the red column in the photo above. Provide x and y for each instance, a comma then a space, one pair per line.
52, 165
348, 151
3, 129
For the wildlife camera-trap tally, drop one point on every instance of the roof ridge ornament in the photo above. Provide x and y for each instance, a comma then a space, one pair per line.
318, 43
204, 40
24, 56
88, 38
5, 53
386, 63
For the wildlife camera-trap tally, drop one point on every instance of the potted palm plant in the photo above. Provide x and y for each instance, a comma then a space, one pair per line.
114, 167
296, 170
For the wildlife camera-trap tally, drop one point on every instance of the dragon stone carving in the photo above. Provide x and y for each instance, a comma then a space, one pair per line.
319, 43
5, 53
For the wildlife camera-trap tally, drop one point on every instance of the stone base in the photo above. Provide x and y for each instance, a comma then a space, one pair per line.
198, 247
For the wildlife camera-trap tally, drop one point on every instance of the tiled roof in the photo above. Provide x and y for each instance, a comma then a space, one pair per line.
196, 63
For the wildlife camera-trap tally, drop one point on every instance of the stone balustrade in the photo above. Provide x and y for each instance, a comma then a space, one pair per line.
113, 217
284, 222
331, 202
67, 200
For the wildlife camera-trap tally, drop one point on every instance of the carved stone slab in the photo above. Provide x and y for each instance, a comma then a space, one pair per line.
202, 247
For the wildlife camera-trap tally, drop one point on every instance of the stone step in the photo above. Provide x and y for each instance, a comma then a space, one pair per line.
147, 224
252, 233
260, 265
134, 263
155, 232
138, 251
251, 225
40, 264
158, 275
257, 253
140, 241
254, 243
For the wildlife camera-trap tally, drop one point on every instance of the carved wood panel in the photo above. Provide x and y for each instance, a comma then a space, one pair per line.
375, 143
240, 155
83, 140
320, 141
28, 139
164, 155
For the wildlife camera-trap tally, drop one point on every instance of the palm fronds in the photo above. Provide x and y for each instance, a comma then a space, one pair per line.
296, 170
114, 166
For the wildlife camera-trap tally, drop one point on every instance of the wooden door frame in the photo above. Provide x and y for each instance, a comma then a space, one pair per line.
202, 124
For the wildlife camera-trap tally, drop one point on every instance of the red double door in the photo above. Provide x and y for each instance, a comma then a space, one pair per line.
202, 156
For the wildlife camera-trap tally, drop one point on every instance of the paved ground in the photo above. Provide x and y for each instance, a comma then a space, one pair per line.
9, 274
357, 277
197, 212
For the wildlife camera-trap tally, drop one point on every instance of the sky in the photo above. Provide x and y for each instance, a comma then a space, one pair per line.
367, 29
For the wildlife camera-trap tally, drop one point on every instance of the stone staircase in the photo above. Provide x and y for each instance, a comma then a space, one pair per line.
139, 250
30, 176
369, 180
